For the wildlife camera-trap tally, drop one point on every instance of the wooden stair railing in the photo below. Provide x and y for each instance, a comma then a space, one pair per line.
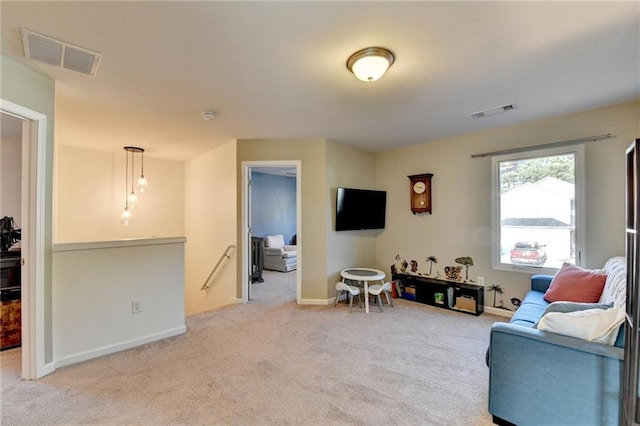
224, 256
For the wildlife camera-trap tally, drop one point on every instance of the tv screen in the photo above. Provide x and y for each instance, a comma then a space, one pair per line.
360, 209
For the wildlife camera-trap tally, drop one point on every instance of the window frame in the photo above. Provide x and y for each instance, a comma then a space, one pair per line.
580, 206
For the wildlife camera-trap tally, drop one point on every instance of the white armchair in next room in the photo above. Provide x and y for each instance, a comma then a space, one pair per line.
279, 256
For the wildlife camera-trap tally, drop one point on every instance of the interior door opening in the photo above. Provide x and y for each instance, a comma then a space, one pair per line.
271, 211
33, 159
10, 228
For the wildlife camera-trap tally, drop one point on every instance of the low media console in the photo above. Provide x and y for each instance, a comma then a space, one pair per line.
468, 298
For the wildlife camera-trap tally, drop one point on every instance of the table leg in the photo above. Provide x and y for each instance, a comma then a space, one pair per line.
366, 296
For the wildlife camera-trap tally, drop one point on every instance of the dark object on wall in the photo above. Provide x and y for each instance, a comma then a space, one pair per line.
294, 240
358, 209
9, 233
516, 302
257, 259
496, 289
421, 193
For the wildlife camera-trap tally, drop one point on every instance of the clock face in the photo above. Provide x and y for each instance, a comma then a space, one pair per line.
419, 187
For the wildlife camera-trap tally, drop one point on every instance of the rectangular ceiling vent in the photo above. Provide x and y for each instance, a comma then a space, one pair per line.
493, 111
58, 53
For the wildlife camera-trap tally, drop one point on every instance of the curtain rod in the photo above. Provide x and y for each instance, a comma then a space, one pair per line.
548, 145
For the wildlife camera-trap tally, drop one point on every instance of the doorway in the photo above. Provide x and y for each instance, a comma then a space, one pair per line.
277, 218
32, 223
10, 226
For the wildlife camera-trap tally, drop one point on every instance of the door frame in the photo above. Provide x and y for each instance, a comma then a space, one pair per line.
246, 242
34, 143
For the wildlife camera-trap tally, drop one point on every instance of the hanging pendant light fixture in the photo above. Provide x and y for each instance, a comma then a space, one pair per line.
371, 63
125, 216
131, 199
142, 181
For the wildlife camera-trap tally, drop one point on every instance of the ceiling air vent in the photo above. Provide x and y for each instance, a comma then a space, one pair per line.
58, 53
493, 111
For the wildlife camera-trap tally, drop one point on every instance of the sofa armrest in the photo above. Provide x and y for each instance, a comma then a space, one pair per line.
541, 282
537, 377
273, 251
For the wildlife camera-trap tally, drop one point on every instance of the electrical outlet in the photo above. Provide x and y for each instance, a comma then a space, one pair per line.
136, 306
481, 281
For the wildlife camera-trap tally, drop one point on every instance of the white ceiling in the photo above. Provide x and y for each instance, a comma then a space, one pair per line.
277, 69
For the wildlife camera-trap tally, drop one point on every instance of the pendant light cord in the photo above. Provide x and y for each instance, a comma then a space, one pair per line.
126, 179
132, 162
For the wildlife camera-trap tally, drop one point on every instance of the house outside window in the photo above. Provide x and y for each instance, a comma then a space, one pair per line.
537, 210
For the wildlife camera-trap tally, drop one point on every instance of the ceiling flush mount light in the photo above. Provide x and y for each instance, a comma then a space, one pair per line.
371, 63
131, 199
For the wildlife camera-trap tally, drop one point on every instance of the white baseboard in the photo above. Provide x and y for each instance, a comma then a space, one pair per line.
48, 369
117, 347
322, 302
500, 312
233, 301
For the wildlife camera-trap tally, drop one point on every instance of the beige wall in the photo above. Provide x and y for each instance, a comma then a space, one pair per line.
90, 195
312, 240
210, 225
350, 168
460, 223
27, 88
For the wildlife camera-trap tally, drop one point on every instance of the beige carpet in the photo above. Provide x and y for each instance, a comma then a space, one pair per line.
271, 362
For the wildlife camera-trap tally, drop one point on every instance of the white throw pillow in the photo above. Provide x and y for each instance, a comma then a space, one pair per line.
571, 307
275, 241
593, 325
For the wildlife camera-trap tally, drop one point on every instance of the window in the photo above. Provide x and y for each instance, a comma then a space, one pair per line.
538, 209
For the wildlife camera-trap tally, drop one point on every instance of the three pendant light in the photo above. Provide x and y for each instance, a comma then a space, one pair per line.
131, 199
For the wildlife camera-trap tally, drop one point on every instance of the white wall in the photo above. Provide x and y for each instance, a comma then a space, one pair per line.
211, 225
90, 195
460, 223
95, 285
11, 179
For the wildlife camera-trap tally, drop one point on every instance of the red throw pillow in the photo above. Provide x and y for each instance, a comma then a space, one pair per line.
574, 284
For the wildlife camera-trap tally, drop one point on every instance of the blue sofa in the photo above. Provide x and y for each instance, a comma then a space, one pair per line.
542, 378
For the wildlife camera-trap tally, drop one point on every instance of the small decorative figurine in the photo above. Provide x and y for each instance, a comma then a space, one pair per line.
431, 260
453, 273
466, 262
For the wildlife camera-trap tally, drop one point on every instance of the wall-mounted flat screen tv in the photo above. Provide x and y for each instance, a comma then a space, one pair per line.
360, 209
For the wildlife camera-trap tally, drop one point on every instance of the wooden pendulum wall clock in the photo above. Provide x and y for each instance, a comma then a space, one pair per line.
421, 193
